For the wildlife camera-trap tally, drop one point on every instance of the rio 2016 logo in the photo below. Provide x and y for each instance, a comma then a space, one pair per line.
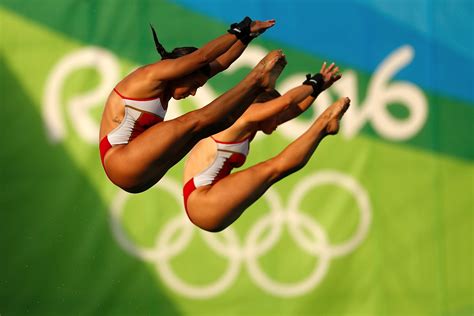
381, 92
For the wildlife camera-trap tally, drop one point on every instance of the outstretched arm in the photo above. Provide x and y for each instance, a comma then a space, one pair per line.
330, 75
226, 59
169, 69
259, 112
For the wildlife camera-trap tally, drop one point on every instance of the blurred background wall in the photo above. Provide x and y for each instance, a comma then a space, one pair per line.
380, 222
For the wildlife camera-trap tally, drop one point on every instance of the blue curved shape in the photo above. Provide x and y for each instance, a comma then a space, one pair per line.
450, 17
360, 36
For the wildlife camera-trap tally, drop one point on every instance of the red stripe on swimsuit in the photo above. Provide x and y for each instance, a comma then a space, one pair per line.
140, 114
229, 155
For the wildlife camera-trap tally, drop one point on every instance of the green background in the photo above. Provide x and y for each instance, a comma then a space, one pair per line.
59, 255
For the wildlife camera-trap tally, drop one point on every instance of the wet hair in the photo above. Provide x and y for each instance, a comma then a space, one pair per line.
267, 96
177, 52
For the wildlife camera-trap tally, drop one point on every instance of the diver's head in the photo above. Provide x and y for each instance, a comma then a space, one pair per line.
269, 125
187, 85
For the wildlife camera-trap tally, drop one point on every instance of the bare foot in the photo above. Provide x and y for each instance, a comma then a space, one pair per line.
333, 114
269, 68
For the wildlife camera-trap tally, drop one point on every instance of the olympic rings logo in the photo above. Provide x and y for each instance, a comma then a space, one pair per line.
254, 246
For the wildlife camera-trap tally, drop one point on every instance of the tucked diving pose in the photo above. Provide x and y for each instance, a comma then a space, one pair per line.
213, 197
136, 146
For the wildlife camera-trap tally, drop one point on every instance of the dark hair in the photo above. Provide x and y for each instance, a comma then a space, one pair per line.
267, 95
177, 52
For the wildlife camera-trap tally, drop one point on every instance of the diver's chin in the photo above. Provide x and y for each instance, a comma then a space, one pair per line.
181, 97
271, 132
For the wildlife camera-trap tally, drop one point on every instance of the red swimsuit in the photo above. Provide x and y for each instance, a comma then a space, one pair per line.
229, 155
140, 114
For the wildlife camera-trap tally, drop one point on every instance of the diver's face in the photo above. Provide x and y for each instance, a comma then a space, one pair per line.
269, 125
188, 85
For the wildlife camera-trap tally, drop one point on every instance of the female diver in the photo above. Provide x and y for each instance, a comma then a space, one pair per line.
213, 197
137, 148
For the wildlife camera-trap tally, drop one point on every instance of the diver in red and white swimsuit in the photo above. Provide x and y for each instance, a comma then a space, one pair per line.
137, 147
213, 196
140, 114
229, 155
